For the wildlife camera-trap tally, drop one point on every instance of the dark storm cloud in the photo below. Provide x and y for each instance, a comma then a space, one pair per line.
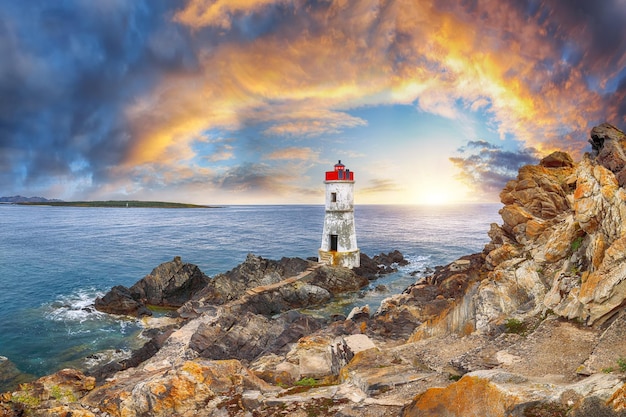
487, 167
68, 70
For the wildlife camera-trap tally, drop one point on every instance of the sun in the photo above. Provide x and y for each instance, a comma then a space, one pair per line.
442, 193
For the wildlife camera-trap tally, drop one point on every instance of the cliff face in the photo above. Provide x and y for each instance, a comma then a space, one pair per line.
534, 325
560, 249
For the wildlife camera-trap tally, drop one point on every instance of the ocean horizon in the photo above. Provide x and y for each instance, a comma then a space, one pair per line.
54, 261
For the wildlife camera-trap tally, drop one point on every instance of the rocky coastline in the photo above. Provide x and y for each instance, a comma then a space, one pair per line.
534, 325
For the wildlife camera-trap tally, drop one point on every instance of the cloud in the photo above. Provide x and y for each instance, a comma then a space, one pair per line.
304, 154
68, 70
381, 185
253, 178
220, 13
487, 168
92, 94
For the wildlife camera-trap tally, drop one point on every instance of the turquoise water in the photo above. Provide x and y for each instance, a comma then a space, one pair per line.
54, 261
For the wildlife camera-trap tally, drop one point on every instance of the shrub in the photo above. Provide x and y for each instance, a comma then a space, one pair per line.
515, 326
621, 362
577, 243
307, 382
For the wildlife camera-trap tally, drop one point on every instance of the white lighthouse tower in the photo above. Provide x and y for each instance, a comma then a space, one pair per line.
339, 236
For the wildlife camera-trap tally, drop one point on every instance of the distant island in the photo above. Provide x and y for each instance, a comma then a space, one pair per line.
40, 201
20, 199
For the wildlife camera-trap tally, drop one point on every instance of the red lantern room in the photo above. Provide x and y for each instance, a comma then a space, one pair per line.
340, 173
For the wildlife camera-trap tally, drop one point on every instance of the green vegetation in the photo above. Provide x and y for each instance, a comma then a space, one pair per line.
117, 204
25, 399
55, 392
621, 362
307, 382
577, 243
608, 370
515, 326
62, 395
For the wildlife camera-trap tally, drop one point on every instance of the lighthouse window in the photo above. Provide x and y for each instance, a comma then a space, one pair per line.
333, 197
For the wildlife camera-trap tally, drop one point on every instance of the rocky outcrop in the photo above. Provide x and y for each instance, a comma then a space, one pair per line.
170, 284
246, 336
560, 249
176, 284
52, 395
532, 326
119, 300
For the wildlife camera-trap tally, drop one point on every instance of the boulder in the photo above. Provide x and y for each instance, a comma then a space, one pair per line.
119, 300
170, 284
372, 268
345, 347
608, 144
557, 160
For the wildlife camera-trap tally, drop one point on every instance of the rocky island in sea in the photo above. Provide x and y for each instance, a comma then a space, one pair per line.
533, 325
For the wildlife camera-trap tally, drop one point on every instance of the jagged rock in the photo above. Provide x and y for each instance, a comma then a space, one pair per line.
557, 160
345, 347
371, 268
312, 355
255, 271
373, 371
138, 356
170, 284
421, 305
52, 395
337, 280
196, 387
608, 144
120, 301
245, 336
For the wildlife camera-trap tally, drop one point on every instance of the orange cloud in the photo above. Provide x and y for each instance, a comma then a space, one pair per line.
304, 154
302, 77
199, 13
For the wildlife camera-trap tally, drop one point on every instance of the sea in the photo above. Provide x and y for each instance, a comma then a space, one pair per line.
54, 262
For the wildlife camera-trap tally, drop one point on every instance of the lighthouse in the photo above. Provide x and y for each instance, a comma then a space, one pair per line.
339, 236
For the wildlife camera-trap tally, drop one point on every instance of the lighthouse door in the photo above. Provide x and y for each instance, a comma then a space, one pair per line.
333, 242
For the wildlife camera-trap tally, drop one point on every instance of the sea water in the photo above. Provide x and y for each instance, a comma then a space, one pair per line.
54, 261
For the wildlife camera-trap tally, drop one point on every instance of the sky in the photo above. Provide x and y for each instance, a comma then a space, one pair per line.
251, 101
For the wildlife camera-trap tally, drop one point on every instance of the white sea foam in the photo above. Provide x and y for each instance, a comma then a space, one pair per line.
76, 307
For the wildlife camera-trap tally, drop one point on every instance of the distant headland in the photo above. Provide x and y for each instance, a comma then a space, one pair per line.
40, 201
